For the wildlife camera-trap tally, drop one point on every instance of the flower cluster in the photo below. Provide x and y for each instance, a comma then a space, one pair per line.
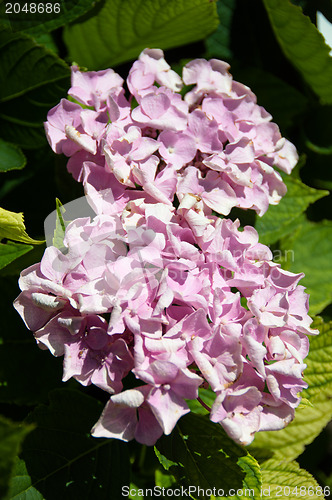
214, 150
150, 302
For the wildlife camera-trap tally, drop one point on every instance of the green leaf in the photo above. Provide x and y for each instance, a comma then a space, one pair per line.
311, 248
26, 65
312, 417
120, 29
281, 219
12, 227
60, 225
164, 480
219, 43
11, 251
11, 437
32, 80
20, 484
43, 22
165, 462
285, 479
303, 45
200, 450
11, 157
318, 373
29, 256
27, 135
73, 464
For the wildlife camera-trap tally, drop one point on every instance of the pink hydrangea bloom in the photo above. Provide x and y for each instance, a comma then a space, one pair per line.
155, 285
215, 143
179, 303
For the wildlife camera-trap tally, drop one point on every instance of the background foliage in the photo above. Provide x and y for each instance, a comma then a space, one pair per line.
274, 47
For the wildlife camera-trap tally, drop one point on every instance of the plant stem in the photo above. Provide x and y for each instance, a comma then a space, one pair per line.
203, 404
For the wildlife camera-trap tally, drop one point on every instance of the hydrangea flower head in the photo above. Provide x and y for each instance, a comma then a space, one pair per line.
143, 292
156, 287
215, 143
